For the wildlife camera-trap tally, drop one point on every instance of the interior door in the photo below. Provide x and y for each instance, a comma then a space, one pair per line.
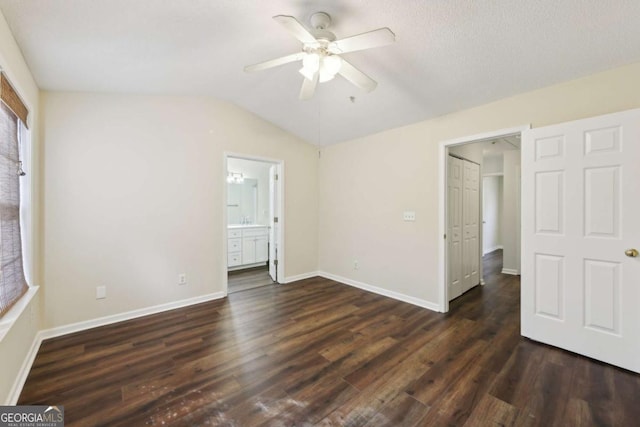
580, 216
273, 223
471, 219
454, 227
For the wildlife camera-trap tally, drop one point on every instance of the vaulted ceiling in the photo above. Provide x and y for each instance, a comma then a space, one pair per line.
449, 54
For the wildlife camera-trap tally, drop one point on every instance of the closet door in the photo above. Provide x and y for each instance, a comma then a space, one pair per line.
471, 220
463, 229
454, 226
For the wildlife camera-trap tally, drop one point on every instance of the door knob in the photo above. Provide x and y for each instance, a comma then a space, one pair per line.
631, 253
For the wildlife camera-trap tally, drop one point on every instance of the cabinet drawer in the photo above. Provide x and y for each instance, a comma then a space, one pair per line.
234, 245
252, 232
232, 234
234, 259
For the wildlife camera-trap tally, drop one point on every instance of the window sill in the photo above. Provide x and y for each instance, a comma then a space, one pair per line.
9, 319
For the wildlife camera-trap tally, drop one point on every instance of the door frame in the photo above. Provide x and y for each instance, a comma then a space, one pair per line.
443, 153
281, 216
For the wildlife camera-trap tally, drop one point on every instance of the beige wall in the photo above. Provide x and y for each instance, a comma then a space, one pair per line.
510, 212
366, 183
492, 187
133, 194
133, 197
492, 163
15, 345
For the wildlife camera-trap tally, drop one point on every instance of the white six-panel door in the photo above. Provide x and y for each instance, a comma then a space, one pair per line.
463, 196
580, 213
454, 233
471, 215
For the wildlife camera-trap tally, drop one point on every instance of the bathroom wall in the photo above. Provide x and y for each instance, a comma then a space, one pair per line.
251, 170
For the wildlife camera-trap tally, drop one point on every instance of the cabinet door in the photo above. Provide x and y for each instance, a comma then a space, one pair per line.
233, 259
234, 245
262, 249
248, 250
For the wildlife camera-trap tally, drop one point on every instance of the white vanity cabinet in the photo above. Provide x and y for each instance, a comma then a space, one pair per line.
248, 246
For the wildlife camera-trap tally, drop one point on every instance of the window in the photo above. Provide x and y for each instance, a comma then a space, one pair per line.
12, 116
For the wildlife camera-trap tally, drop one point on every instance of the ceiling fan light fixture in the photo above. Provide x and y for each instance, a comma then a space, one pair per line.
320, 54
306, 73
310, 65
330, 66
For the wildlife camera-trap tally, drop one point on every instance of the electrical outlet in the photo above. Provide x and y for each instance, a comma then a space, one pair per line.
182, 279
356, 264
101, 292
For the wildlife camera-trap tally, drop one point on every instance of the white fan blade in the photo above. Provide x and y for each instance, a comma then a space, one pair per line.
308, 87
375, 38
357, 77
295, 28
275, 62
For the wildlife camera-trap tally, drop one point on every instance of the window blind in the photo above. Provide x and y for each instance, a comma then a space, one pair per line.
12, 281
10, 98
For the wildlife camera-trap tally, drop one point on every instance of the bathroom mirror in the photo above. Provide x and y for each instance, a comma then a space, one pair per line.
242, 202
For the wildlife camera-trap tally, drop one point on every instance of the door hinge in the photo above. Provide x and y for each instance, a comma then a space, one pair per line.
275, 219
445, 235
275, 262
275, 177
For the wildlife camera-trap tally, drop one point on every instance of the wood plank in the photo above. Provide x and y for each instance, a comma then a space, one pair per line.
492, 412
317, 352
402, 410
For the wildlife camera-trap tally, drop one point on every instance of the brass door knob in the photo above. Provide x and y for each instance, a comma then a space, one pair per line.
631, 253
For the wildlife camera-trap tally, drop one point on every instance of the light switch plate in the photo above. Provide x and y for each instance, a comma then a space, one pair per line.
101, 292
409, 216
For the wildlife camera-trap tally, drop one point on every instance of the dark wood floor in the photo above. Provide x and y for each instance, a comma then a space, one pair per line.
251, 278
318, 352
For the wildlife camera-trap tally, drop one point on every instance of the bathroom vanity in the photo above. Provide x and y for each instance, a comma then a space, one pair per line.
247, 246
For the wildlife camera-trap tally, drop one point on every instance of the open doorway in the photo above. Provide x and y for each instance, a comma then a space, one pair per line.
489, 157
501, 201
253, 222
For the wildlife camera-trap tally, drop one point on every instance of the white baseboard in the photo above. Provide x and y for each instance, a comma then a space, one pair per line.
495, 248
510, 271
297, 277
107, 320
380, 291
120, 317
93, 323
245, 266
16, 389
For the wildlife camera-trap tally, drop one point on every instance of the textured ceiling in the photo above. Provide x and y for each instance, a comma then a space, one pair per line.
449, 55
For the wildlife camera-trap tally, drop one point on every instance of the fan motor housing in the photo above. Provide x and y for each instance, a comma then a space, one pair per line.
323, 35
320, 21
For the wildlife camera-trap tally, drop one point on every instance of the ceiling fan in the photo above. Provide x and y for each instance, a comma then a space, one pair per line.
320, 54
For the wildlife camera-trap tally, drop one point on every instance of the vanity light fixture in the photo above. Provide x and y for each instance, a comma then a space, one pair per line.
235, 177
